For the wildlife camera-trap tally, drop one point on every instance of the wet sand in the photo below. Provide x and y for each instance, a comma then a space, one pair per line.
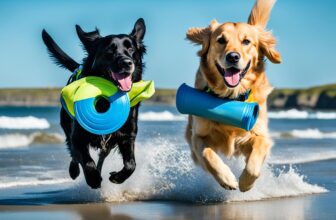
320, 206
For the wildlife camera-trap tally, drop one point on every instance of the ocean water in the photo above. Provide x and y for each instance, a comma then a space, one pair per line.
34, 160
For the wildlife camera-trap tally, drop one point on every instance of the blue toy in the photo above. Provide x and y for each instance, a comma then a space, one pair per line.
79, 99
230, 112
106, 122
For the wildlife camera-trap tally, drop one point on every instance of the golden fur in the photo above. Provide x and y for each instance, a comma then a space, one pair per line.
205, 137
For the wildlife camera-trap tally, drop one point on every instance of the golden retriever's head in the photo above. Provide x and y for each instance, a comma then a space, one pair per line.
232, 54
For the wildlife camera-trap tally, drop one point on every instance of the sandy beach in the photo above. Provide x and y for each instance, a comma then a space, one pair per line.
304, 207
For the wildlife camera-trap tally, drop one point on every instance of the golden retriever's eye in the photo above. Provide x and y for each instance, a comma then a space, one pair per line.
221, 40
246, 42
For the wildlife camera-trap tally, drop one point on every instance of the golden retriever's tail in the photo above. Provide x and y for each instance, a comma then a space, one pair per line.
261, 12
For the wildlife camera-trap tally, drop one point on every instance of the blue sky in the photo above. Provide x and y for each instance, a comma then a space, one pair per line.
306, 31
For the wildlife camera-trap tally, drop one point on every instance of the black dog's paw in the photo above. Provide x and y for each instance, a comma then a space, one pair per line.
74, 170
92, 176
117, 178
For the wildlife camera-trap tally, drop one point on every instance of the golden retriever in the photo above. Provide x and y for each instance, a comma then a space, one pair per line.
232, 62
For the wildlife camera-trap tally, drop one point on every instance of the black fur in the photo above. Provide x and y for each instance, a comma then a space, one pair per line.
105, 55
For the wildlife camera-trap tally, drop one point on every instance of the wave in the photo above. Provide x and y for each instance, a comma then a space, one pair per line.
310, 133
17, 140
28, 122
297, 114
306, 158
167, 172
160, 116
23, 183
288, 114
299, 158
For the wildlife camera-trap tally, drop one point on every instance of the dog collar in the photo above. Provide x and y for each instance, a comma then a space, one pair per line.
246, 97
76, 74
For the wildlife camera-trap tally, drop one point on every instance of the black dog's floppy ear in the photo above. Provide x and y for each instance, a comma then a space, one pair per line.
139, 30
87, 38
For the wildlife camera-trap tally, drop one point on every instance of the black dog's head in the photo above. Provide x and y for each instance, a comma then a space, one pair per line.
115, 57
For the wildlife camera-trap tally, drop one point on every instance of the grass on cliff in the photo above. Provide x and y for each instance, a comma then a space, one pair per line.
330, 91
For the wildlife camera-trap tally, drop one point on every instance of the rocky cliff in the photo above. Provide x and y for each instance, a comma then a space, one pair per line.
321, 97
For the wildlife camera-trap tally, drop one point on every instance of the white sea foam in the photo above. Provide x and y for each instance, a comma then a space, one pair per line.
310, 133
33, 182
165, 171
297, 114
160, 116
313, 133
14, 141
325, 115
17, 140
28, 122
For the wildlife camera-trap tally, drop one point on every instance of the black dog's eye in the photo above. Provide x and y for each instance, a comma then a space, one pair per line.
221, 40
130, 50
111, 48
246, 42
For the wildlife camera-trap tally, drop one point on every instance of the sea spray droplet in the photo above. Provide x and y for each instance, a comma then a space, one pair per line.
165, 171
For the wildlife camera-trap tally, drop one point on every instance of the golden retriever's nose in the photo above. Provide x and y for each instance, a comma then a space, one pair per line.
232, 57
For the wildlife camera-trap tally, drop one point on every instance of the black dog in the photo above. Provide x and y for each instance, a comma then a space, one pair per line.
117, 58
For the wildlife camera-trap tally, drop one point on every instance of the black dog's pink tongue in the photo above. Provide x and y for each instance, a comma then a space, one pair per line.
232, 76
125, 82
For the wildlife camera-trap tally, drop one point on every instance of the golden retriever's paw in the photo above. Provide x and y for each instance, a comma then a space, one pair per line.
246, 180
253, 166
228, 181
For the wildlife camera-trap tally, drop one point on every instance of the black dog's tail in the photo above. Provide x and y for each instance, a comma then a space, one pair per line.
57, 54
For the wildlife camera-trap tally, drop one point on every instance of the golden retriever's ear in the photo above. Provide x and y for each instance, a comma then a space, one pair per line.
201, 36
198, 35
260, 13
267, 46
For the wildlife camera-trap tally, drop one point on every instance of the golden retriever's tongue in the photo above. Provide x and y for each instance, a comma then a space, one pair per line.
232, 76
125, 82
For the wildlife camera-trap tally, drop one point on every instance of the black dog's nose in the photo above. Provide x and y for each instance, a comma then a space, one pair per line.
125, 63
232, 57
